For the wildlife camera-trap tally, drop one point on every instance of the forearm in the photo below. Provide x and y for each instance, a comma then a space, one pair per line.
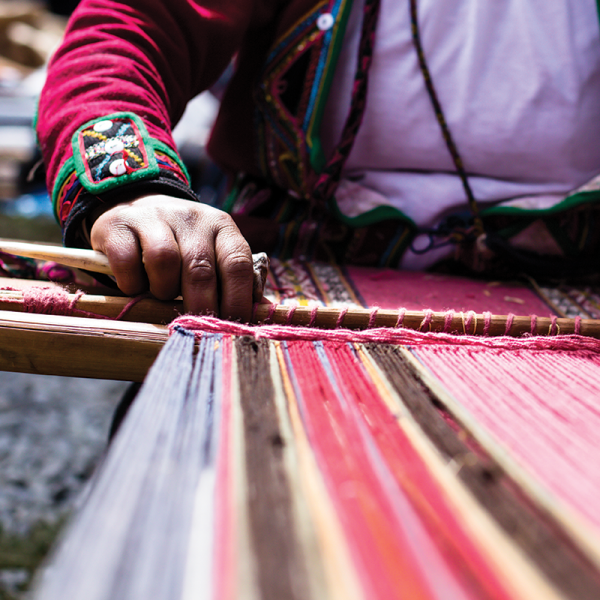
145, 57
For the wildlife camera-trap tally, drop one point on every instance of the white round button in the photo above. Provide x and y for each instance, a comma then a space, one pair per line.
325, 21
102, 126
421, 242
114, 146
117, 167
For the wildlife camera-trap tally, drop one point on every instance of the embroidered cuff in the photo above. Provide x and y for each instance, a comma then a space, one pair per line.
114, 150
113, 157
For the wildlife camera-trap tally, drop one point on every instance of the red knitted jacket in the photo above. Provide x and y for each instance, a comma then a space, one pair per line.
147, 59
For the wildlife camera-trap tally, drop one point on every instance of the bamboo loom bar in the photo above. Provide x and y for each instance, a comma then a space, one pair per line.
149, 310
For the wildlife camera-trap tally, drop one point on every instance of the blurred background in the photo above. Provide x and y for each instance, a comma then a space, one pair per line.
53, 430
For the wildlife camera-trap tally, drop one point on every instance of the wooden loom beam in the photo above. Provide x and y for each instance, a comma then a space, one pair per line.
77, 347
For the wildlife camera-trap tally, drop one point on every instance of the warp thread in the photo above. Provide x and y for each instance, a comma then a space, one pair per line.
471, 320
533, 324
448, 320
290, 315
372, 317
340, 319
386, 335
554, 326
426, 322
509, 323
313, 315
487, 316
401, 315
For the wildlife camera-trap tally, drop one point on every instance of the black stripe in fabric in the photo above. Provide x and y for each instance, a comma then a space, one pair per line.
539, 535
280, 565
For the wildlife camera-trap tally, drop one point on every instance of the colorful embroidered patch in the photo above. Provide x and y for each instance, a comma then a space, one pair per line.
291, 94
113, 150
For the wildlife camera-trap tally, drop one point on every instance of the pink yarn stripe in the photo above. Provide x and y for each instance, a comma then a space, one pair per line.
224, 549
542, 407
372, 528
388, 335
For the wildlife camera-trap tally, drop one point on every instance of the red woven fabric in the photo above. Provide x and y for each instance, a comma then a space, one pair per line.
151, 57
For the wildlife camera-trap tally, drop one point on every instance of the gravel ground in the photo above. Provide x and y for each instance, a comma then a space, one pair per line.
53, 431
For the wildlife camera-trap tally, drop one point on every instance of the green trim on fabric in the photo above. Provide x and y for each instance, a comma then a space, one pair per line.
568, 203
229, 201
152, 170
515, 228
64, 173
313, 134
159, 146
371, 217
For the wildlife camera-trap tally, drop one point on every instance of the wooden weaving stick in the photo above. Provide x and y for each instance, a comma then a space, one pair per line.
149, 310
77, 258
90, 260
456, 322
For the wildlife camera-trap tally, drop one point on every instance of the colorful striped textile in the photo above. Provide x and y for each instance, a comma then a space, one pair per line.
333, 467
331, 285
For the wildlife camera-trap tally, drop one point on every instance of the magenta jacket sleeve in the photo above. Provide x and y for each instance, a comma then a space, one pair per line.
116, 87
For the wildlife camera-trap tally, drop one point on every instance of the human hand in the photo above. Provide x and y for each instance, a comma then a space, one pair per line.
173, 246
